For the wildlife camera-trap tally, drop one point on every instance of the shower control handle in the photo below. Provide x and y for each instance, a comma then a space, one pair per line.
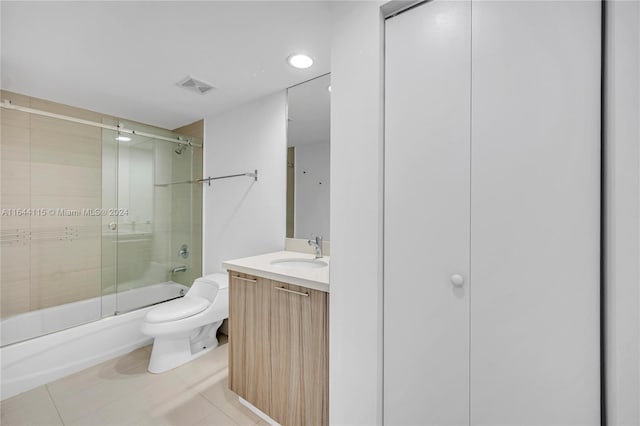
113, 226
457, 280
184, 251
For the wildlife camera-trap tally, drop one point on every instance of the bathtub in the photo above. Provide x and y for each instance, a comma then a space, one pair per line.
34, 361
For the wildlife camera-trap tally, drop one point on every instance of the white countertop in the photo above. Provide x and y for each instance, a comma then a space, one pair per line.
317, 279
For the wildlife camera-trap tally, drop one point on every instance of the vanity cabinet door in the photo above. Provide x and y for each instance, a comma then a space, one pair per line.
299, 355
249, 363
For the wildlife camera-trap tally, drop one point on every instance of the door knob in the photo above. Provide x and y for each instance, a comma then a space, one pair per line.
457, 280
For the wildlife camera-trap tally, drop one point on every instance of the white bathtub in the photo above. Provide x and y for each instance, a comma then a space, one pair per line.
31, 363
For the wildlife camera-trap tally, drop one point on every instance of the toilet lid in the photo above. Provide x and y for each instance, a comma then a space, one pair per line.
177, 309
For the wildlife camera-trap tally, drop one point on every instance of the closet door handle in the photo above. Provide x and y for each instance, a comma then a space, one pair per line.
251, 280
457, 280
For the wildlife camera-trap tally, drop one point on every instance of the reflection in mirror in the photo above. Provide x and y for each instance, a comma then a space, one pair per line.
308, 158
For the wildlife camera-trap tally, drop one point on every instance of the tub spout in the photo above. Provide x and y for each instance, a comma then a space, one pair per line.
181, 268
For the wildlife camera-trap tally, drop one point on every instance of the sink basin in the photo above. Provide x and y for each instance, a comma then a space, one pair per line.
300, 263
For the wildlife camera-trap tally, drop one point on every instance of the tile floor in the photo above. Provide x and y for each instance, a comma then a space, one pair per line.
122, 392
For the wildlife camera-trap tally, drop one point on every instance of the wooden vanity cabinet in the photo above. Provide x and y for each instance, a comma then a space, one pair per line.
288, 375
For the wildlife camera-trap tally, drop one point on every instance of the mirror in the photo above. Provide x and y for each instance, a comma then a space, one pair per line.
308, 118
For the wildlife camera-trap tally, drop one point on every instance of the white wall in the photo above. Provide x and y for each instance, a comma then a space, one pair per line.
355, 365
623, 198
242, 217
312, 189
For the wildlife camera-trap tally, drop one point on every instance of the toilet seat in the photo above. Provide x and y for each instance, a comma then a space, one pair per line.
177, 309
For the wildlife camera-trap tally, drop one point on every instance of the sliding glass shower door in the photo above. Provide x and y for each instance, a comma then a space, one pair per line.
95, 221
147, 224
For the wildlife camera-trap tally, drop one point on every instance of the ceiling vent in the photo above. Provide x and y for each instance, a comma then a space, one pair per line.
195, 85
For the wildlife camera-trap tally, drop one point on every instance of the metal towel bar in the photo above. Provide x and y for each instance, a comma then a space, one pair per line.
254, 175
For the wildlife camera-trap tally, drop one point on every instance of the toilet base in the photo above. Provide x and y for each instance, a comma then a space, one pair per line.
169, 353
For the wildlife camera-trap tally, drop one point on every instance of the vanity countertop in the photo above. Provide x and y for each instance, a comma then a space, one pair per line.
262, 266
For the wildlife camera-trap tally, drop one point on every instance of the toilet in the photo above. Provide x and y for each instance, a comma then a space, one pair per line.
184, 329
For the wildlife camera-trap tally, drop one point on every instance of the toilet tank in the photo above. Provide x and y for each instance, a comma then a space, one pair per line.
209, 285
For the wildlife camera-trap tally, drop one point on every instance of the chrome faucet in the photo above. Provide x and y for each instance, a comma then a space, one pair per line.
317, 243
181, 268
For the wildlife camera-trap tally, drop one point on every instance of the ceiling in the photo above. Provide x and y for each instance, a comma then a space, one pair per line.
125, 58
308, 112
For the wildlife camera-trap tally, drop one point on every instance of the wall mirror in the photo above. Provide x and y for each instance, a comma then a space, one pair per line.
308, 136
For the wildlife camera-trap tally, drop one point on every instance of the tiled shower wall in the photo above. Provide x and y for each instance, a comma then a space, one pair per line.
49, 163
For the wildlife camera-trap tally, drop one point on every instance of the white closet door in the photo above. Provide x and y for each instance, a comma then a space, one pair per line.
535, 213
426, 317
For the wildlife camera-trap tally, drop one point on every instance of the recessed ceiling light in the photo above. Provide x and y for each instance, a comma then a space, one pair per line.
123, 138
298, 60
